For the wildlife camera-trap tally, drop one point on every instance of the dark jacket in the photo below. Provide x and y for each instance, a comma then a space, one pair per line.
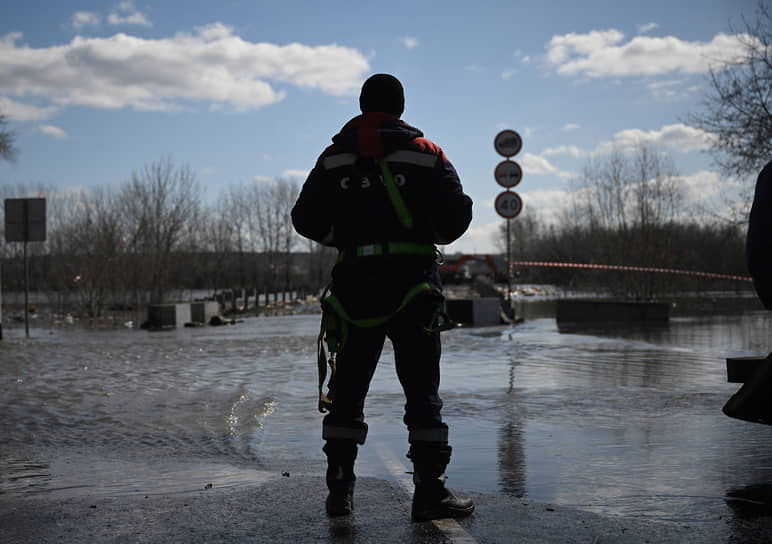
759, 242
344, 204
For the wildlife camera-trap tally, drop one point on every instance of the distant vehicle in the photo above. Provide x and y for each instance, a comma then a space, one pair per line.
464, 268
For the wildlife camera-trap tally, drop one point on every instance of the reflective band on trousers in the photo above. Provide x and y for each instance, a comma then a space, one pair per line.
345, 433
433, 434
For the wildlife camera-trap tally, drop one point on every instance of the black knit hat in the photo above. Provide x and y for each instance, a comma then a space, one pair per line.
382, 92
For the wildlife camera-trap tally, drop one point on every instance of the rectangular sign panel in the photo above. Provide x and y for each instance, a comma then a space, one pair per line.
25, 219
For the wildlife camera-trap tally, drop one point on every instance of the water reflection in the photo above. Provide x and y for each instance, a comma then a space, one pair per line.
617, 420
626, 420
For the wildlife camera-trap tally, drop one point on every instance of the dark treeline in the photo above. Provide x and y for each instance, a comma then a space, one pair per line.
153, 237
628, 209
121, 284
694, 247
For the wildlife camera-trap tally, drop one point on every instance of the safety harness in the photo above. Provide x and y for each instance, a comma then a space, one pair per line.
335, 319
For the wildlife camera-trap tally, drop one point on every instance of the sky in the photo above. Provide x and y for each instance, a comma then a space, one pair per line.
252, 91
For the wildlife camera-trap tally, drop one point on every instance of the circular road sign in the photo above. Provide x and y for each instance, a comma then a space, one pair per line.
508, 173
509, 204
508, 143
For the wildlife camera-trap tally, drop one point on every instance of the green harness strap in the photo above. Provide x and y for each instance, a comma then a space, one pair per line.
370, 322
335, 326
403, 214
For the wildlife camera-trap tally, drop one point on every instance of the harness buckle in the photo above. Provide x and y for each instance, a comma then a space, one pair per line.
368, 250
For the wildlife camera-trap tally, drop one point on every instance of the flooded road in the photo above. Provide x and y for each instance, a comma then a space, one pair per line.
615, 420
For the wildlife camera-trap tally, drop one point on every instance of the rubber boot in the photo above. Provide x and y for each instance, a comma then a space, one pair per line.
341, 455
432, 500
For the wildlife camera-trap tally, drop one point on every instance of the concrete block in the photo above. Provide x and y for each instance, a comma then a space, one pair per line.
203, 311
611, 311
168, 316
474, 311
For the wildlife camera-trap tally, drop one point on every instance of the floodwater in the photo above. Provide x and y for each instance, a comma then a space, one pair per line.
622, 420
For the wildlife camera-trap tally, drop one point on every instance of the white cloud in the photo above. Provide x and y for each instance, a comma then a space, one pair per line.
568, 127
82, 19
409, 42
127, 14
549, 204
525, 59
560, 48
701, 186
570, 150
51, 130
536, 165
24, 112
678, 136
478, 239
487, 203
643, 29
603, 53
212, 65
295, 173
670, 90
702, 190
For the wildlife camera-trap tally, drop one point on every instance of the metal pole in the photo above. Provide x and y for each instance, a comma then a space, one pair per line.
1, 300
509, 265
26, 291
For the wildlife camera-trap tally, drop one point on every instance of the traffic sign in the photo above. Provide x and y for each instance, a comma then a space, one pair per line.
508, 204
508, 173
25, 219
508, 143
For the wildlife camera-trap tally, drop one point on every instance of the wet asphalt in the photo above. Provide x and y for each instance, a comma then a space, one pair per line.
291, 509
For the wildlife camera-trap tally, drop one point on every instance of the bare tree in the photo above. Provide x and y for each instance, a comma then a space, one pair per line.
271, 206
7, 139
240, 213
627, 190
625, 207
738, 106
601, 198
88, 242
158, 203
220, 236
657, 196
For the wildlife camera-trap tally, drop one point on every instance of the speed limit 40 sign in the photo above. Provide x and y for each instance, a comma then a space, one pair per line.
508, 204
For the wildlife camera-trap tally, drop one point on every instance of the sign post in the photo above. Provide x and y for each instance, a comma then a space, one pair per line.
25, 221
508, 174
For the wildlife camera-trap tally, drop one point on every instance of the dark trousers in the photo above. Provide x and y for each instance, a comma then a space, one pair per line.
417, 358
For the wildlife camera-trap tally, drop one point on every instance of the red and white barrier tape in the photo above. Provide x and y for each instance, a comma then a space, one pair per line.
711, 275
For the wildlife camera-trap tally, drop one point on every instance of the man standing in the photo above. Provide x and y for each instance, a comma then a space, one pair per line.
383, 195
